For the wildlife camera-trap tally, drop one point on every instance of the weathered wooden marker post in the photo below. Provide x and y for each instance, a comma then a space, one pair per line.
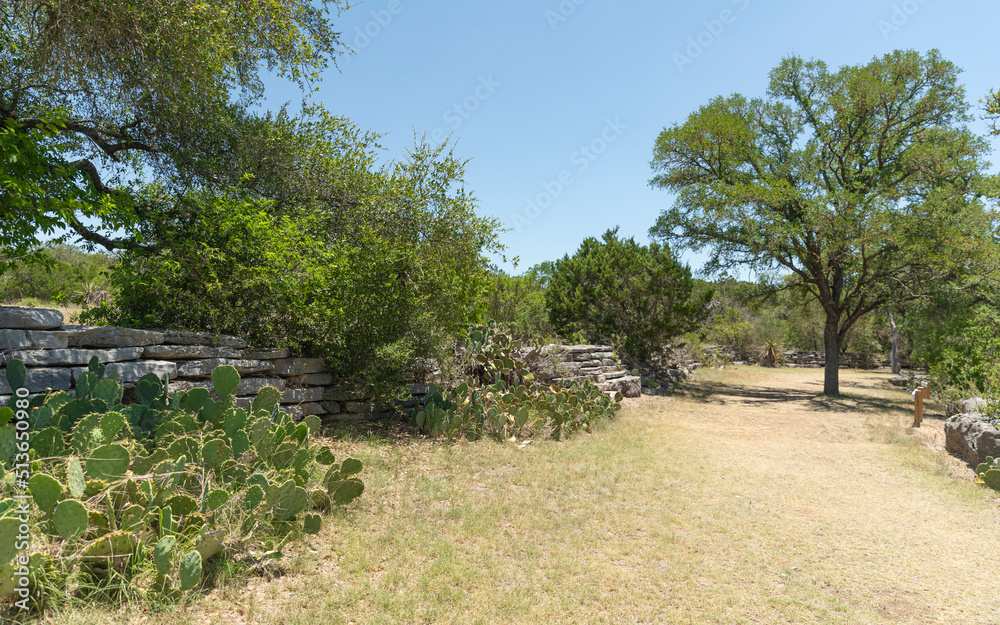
918, 406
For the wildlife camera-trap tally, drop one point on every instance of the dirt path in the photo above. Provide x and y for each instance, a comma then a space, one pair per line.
746, 498
815, 508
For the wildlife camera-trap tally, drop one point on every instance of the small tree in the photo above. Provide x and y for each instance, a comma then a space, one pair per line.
616, 290
863, 184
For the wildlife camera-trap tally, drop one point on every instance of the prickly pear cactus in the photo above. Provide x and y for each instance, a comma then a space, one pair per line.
163, 477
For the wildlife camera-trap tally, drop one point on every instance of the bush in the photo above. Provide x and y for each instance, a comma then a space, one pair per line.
135, 498
369, 269
617, 291
498, 397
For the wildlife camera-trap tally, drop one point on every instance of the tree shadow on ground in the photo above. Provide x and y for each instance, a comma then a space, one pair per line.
850, 400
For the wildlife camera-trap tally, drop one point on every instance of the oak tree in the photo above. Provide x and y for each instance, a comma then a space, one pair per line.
862, 183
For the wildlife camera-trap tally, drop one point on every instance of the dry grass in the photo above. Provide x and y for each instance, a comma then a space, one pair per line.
748, 498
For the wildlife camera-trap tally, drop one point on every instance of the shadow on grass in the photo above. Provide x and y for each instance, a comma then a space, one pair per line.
848, 400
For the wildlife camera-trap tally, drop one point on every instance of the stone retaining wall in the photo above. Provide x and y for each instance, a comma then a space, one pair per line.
813, 360
564, 364
56, 354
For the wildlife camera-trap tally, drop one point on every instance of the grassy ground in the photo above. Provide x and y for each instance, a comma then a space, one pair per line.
746, 498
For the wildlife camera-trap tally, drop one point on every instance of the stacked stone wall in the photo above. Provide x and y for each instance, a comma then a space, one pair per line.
56, 354
564, 364
811, 359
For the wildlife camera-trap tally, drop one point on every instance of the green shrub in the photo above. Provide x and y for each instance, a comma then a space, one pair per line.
136, 497
500, 398
615, 291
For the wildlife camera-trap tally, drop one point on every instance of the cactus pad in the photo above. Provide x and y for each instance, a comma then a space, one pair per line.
190, 570
312, 524
74, 477
163, 552
225, 379
216, 499
267, 399
289, 500
45, 490
215, 452
347, 491
70, 518
108, 462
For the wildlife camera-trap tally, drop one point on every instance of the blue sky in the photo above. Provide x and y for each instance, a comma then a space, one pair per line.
557, 104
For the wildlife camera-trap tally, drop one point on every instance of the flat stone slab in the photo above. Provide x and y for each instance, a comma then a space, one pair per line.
248, 387
298, 366
204, 368
133, 371
43, 339
312, 379
186, 352
20, 318
14, 339
74, 356
299, 395
203, 338
38, 380
269, 354
111, 336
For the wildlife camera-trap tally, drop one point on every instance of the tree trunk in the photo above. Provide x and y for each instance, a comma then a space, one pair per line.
894, 356
831, 338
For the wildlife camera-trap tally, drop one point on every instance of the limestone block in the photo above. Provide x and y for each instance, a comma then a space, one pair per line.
186, 352
110, 336
312, 379
14, 339
19, 318
48, 339
204, 368
74, 356
299, 395
298, 366
269, 354
331, 407
312, 408
202, 338
629, 386
133, 371
38, 380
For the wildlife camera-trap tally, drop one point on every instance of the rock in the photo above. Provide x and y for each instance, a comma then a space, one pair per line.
629, 386
18, 318
614, 375
110, 336
966, 406
312, 379
971, 437
311, 408
341, 394
270, 354
41, 339
133, 371
204, 368
185, 352
252, 386
14, 339
899, 380
298, 366
74, 356
203, 338
296, 412
331, 407
299, 395
38, 380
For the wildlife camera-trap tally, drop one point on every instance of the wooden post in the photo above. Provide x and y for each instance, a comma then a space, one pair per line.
918, 407
926, 386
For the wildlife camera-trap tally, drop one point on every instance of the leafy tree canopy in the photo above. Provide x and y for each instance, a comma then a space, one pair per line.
96, 95
863, 183
615, 290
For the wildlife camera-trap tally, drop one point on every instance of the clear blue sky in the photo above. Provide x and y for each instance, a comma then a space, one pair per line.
524, 85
